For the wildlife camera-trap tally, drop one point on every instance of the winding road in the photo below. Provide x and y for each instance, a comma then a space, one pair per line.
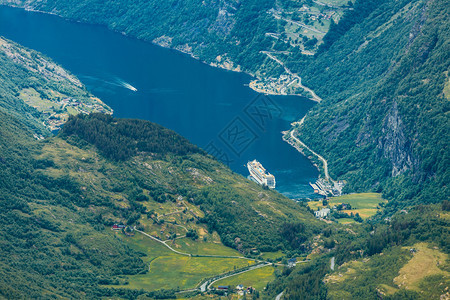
313, 94
254, 267
297, 23
208, 283
323, 160
162, 242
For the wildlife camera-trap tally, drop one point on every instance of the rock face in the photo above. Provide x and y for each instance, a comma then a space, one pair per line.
391, 93
393, 144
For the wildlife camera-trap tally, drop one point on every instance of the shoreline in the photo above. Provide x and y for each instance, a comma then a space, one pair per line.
227, 65
252, 86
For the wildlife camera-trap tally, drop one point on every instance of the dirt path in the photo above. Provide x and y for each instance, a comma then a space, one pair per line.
159, 241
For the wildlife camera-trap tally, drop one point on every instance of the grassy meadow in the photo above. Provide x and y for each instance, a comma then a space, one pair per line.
169, 270
257, 278
366, 204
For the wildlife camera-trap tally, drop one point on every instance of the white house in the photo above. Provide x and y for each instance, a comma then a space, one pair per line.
322, 213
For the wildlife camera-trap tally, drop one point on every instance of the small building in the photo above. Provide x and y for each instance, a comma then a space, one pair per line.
222, 287
118, 227
322, 213
291, 262
240, 287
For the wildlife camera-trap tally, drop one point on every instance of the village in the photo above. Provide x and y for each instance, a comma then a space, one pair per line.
54, 121
286, 84
348, 208
55, 108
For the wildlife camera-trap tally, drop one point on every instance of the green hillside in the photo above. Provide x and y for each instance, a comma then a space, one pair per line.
383, 124
404, 257
380, 69
49, 243
61, 195
170, 169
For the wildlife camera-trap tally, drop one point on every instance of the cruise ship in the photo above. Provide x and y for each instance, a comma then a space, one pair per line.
259, 174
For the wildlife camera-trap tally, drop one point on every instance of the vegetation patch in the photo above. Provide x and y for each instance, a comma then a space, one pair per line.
361, 278
425, 262
365, 205
169, 270
257, 278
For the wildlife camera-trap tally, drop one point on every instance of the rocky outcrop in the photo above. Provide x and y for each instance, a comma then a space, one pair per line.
393, 143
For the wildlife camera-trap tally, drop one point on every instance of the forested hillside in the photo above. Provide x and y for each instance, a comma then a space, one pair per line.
40, 93
383, 124
403, 257
162, 166
61, 195
232, 34
50, 242
380, 68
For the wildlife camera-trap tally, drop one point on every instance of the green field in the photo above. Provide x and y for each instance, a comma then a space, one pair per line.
168, 270
366, 204
272, 255
199, 247
346, 221
257, 278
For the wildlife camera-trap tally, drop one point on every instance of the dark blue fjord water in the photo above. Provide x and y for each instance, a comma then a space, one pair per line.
213, 108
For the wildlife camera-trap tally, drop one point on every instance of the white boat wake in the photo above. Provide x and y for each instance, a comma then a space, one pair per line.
126, 85
115, 82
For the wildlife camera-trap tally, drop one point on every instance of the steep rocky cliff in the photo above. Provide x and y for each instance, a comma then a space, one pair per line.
383, 123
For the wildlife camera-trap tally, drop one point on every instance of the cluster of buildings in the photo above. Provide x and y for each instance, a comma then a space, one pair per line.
54, 120
240, 289
326, 188
283, 85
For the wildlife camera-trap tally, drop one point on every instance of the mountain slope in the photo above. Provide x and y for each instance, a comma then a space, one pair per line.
39, 92
232, 34
166, 168
46, 241
381, 72
61, 195
384, 122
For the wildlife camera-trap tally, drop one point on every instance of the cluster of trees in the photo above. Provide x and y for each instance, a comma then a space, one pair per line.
42, 253
244, 228
120, 139
192, 234
422, 223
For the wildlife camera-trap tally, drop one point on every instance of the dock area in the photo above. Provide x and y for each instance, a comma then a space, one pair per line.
325, 188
